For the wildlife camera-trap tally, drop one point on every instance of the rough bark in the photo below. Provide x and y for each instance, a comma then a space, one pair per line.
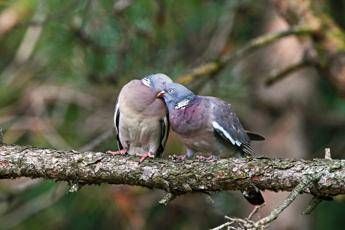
174, 177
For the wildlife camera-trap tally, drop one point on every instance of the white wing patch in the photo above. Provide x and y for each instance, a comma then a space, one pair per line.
225, 133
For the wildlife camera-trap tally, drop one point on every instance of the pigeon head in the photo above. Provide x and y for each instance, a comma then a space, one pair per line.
156, 81
176, 95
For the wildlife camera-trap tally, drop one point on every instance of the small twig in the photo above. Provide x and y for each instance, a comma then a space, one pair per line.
292, 196
209, 199
241, 224
314, 202
275, 77
74, 187
222, 226
238, 223
167, 198
328, 154
255, 210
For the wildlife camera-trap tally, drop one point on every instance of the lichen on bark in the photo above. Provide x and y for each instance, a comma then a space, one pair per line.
175, 177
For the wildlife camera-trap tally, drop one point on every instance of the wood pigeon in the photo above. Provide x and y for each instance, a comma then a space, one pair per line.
208, 125
140, 119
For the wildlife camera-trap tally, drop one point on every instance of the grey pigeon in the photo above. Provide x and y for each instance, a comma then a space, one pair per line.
208, 125
140, 119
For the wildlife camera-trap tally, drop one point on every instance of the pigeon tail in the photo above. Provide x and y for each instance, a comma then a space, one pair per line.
253, 195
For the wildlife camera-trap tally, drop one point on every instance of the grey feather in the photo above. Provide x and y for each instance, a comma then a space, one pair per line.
226, 122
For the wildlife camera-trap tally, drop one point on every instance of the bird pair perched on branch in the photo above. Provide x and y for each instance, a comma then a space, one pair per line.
146, 108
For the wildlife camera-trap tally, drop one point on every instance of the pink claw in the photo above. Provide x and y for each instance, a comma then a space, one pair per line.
119, 152
145, 156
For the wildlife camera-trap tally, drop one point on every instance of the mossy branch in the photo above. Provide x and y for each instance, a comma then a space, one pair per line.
277, 76
174, 177
213, 67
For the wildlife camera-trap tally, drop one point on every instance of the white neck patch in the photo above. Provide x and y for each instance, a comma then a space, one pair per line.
146, 81
182, 104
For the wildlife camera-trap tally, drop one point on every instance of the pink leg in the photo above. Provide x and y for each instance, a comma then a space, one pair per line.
119, 152
145, 156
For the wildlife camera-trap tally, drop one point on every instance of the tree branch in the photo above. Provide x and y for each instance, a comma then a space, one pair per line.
277, 76
174, 177
248, 224
305, 183
213, 67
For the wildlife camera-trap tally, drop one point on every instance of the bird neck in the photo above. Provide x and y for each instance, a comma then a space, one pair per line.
185, 102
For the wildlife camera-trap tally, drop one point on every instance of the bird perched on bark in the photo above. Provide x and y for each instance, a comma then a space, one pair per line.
208, 125
140, 119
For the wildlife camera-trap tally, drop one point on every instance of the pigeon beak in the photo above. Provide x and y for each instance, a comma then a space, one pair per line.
160, 94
